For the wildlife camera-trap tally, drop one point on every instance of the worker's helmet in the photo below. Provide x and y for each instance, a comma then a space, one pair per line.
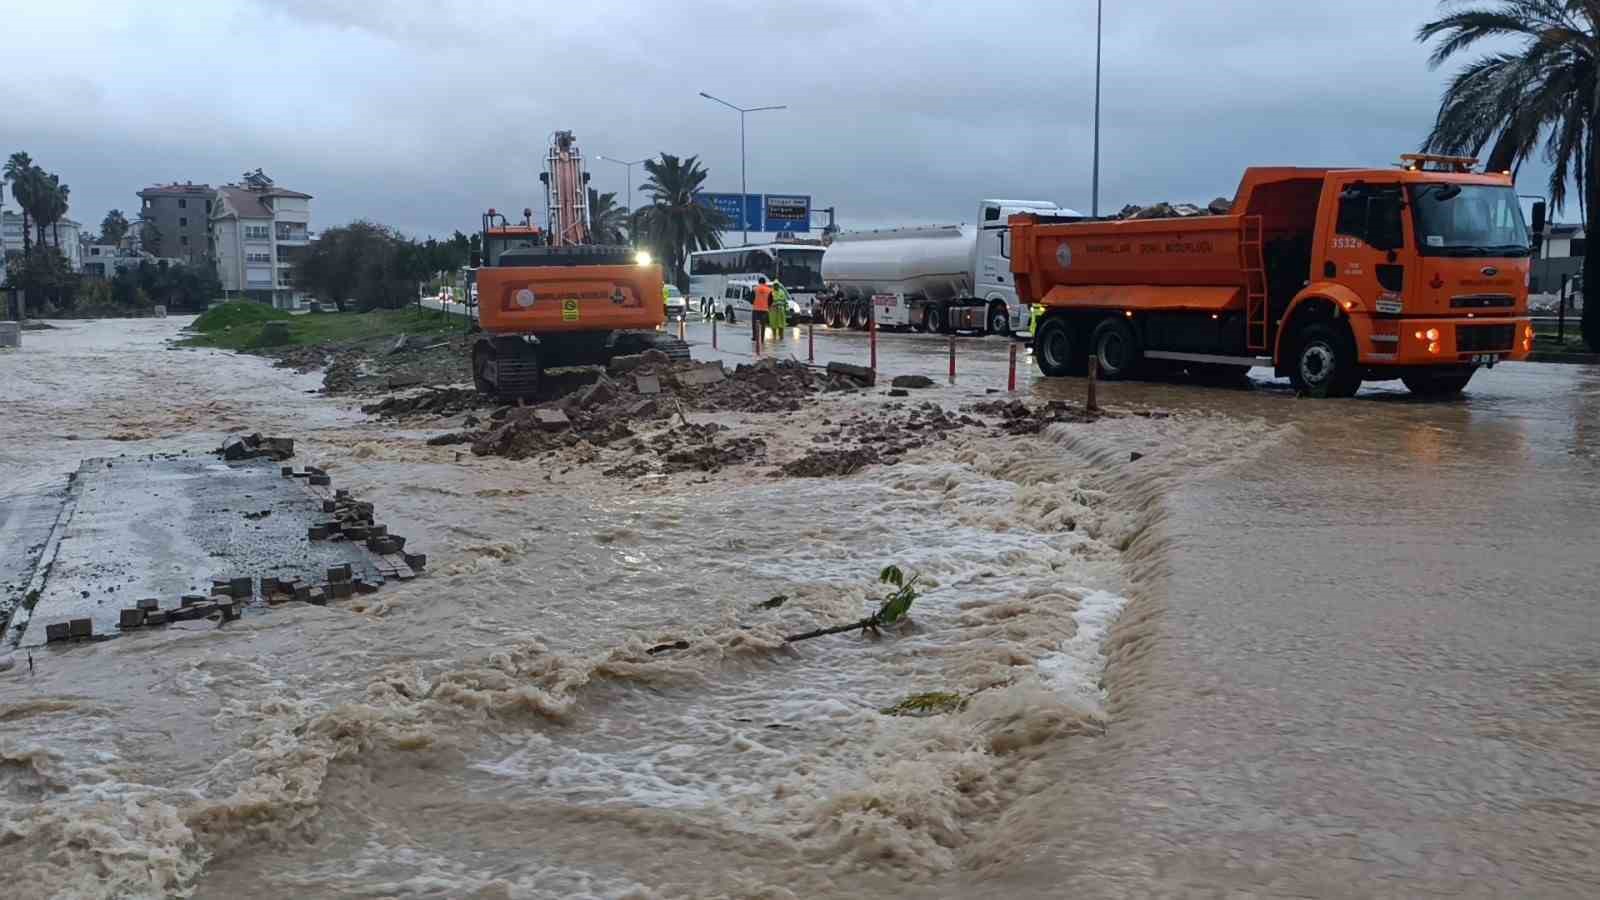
762, 279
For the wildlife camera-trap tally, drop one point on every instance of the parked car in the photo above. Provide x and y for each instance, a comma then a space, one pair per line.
677, 305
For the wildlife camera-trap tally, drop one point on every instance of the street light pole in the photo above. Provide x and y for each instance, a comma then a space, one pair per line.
744, 188
629, 166
1094, 207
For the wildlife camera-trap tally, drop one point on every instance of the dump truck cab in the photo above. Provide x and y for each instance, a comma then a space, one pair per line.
1330, 276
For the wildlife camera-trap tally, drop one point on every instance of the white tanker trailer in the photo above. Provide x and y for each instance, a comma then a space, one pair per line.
938, 279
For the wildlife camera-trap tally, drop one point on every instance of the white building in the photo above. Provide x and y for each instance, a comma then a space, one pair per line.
258, 232
66, 230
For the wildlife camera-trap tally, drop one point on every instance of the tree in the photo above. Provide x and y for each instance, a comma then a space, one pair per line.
19, 171
1507, 101
52, 207
114, 227
674, 224
366, 263
608, 222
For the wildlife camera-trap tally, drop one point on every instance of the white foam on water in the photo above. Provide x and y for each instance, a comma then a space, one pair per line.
1075, 669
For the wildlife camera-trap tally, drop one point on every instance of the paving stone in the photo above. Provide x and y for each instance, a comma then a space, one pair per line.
81, 628
149, 603
57, 631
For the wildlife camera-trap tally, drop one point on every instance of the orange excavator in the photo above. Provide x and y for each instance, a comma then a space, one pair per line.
552, 297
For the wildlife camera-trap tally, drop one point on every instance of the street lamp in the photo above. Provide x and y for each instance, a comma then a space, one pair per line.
744, 190
629, 166
1094, 203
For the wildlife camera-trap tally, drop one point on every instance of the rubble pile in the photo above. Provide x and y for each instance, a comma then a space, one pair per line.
650, 387
432, 402
254, 446
878, 440
1017, 418
1217, 207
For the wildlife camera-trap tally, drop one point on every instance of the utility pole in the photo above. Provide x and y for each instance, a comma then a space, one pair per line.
744, 189
1094, 203
629, 166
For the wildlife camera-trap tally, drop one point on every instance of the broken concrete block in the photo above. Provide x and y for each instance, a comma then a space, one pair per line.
378, 531
341, 572
341, 493
700, 376
191, 599
321, 480
131, 618
80, 628
342, 590
317, 533
644, 409
602, 391
647, 385
417, 561
399, 541
241, 587
329, 506
287, 471
318, 597
911, 381
315, 470
56, 631
364, 586
155, 617
551, 419
302, 592
230, 611
149, 603
861, 374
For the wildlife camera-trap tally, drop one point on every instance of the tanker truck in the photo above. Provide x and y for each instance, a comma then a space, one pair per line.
1331, 277
937, 279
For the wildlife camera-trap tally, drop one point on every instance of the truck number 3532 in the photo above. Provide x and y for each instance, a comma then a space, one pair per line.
1341, 242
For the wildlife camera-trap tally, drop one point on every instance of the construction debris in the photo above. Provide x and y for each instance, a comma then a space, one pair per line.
255, 446
1219, 206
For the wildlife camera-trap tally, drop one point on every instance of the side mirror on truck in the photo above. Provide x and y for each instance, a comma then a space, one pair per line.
1538, 225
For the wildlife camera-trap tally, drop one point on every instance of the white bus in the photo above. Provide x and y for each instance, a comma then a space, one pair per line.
798, 266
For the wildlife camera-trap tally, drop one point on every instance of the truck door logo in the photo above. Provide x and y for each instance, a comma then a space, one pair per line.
1064, 255
569, 309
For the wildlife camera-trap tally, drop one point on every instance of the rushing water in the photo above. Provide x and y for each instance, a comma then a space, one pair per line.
1351, 651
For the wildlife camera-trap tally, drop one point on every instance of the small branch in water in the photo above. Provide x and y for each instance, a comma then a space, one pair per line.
869, 622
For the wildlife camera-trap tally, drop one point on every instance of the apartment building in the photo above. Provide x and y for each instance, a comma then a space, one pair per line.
175, 220
258, 232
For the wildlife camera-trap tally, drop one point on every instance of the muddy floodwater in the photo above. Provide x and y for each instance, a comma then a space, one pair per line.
1296, 648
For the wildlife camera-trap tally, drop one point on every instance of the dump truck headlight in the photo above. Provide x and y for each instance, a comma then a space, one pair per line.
643, 258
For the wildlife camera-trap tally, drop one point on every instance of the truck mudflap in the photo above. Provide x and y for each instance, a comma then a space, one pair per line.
1441, 342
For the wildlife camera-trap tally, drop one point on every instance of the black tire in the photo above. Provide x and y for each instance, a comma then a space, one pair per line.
858, 316
1056, 350
999, 319
933, 319
1324, 362
836, 317
483, 369
1434, 385
727, 315
1116, 349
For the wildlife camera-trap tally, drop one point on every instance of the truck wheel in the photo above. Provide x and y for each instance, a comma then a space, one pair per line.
1054, 349
1324, 363
835, 315
1436, 385
1116, 348
728, 315
858, 317
933, 318
483, 369
999, 319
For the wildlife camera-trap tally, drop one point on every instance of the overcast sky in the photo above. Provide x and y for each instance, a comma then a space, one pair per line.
420, 114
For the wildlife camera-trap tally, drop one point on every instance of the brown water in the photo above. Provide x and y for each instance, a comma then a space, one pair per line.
1358, 659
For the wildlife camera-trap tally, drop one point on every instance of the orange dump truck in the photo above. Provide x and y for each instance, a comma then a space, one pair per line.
1329, 276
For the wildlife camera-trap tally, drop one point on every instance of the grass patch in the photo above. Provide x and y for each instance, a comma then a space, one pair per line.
931, 703
237, 326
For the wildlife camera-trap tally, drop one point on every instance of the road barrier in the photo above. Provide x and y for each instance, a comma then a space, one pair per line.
952, 359
1011, 376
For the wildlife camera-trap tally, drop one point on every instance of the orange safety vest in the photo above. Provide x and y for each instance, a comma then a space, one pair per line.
763, 300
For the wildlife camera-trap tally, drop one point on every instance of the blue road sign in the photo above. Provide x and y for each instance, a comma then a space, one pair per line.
763, 212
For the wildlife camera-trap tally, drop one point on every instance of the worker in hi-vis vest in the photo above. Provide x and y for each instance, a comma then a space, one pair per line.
760, 303
780, 308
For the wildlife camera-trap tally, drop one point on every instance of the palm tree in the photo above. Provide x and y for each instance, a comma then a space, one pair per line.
1508, 101
114, 227
52, 207
19, 170
607, 221
674, 223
